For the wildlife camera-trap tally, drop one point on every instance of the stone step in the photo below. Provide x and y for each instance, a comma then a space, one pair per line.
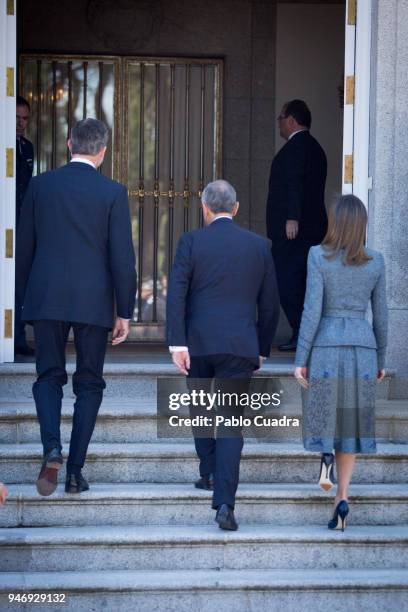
181, 504
212, 590
129, 420
201, 547
171, 462
123, 420
140, 380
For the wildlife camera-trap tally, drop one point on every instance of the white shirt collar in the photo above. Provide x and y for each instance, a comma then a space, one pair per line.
226, 216
297, 132
82, 160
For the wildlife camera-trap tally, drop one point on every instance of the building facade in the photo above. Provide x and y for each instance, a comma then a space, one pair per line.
346, 59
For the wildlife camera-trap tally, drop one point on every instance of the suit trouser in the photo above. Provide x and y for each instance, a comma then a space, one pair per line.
87, 381
290, 257
220, 456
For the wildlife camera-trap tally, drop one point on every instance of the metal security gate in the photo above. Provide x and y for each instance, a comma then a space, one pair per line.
62, 90
164, 116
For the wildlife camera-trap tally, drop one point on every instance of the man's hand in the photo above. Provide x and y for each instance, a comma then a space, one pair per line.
380, 375
3, 494
292, 228
120, 331
181, 360
301, 377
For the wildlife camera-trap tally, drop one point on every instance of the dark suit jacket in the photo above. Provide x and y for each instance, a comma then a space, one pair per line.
24, 171
75, 249
223, 296
296, 189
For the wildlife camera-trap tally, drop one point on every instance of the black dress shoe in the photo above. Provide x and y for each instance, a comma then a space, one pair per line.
48, 478
26, 351
291, 345
225, 518
75, 484
205, 482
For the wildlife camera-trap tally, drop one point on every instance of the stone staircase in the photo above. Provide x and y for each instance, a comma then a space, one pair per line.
143, 538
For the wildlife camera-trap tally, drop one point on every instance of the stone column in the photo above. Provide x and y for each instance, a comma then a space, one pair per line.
388, 202
7, 175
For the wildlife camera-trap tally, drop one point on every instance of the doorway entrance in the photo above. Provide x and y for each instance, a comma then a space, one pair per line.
323, 55
310, 44
164, 116
250, 91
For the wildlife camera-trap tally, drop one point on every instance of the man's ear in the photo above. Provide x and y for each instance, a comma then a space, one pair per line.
292, 122
235, 209
69, 144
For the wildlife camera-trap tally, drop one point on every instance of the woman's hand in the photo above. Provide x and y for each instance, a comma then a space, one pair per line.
301, 377
380, 375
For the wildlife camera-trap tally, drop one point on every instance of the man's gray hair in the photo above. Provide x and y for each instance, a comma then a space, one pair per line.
219, 196
89, 137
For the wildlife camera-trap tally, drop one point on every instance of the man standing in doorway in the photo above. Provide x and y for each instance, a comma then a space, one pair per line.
296, 217
74, 256
24, 172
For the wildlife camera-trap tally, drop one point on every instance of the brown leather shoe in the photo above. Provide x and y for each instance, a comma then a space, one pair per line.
48, 477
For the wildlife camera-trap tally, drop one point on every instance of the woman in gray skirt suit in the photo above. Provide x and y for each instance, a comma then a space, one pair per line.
340, 356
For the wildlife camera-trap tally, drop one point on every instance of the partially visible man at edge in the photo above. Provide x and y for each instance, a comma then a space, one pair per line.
24, 172
3, 494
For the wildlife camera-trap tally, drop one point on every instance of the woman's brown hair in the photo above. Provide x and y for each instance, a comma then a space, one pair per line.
347, 231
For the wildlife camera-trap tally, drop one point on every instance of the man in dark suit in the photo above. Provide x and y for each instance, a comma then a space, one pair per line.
296, 216
222, 312
24, 172
74, 255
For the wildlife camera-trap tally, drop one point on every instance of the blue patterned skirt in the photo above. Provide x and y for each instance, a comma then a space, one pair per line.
339, 406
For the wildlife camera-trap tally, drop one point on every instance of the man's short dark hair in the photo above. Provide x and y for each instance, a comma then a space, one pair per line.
89, 137
299, 110
22, 102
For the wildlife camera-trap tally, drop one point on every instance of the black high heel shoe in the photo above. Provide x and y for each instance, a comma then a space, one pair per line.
339, 517
326, 478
